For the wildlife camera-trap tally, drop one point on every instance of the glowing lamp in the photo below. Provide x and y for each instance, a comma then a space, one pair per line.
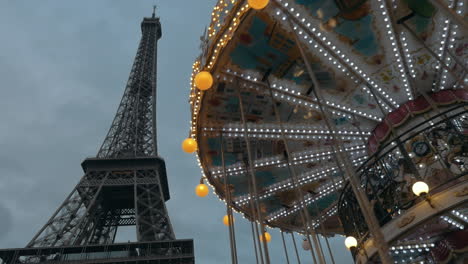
226, 220
267, 237
420, 188
350, 242
201, 190
189, 145
203, 80
258, 4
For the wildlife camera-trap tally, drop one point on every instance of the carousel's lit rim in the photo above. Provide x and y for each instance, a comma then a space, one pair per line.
413, 107
219, 36
217, 39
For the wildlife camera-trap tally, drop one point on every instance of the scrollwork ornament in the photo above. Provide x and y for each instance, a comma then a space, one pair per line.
462, 192
406, 221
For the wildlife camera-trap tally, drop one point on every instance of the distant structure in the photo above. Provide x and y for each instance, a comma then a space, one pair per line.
125, 185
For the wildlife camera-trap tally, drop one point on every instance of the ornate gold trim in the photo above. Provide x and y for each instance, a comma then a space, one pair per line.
406, 221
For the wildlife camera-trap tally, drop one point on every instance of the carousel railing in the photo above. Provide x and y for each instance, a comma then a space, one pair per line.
434, 151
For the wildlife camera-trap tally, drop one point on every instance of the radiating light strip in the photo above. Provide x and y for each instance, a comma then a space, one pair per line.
460, 215
294, 97
409, 60
322, 218
304, 179
280, 161
447, 41
412, 248
453, 222
338, 54
396, 49
308, 199
379, 101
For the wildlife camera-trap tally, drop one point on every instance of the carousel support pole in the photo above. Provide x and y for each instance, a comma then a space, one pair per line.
294, 178
316, 246
364, 203
358, 237
253, 237
227, 194
252, 176
295, 248
316, 238
255, 233
234, 235
450, 13
324, 232
284, 246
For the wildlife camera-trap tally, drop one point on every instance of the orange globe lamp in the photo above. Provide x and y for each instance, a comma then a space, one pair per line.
267, 237
258, 4
202, 190
226, 220
204, 80
189, 145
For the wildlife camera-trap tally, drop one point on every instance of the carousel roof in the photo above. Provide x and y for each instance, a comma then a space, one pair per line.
371, 60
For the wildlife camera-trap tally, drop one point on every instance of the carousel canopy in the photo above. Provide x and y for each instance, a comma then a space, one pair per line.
378, 64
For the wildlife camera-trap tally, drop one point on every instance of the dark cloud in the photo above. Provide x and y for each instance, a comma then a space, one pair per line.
63, 69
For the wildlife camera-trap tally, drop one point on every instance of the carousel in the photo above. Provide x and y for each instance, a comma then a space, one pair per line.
337, 117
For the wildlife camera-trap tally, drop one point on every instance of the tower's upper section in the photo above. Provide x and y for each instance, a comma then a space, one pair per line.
149, 23
133, 131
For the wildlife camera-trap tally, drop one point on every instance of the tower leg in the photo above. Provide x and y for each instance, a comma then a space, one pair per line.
64, 225
151, 215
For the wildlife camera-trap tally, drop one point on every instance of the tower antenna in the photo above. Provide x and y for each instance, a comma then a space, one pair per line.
154, 10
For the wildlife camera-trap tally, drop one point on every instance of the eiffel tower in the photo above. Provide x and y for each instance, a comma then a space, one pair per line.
124, 185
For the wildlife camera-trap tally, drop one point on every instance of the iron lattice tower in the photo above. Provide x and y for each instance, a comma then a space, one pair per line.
125, 185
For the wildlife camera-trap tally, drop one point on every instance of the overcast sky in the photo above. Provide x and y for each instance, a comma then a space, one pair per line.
63, 69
